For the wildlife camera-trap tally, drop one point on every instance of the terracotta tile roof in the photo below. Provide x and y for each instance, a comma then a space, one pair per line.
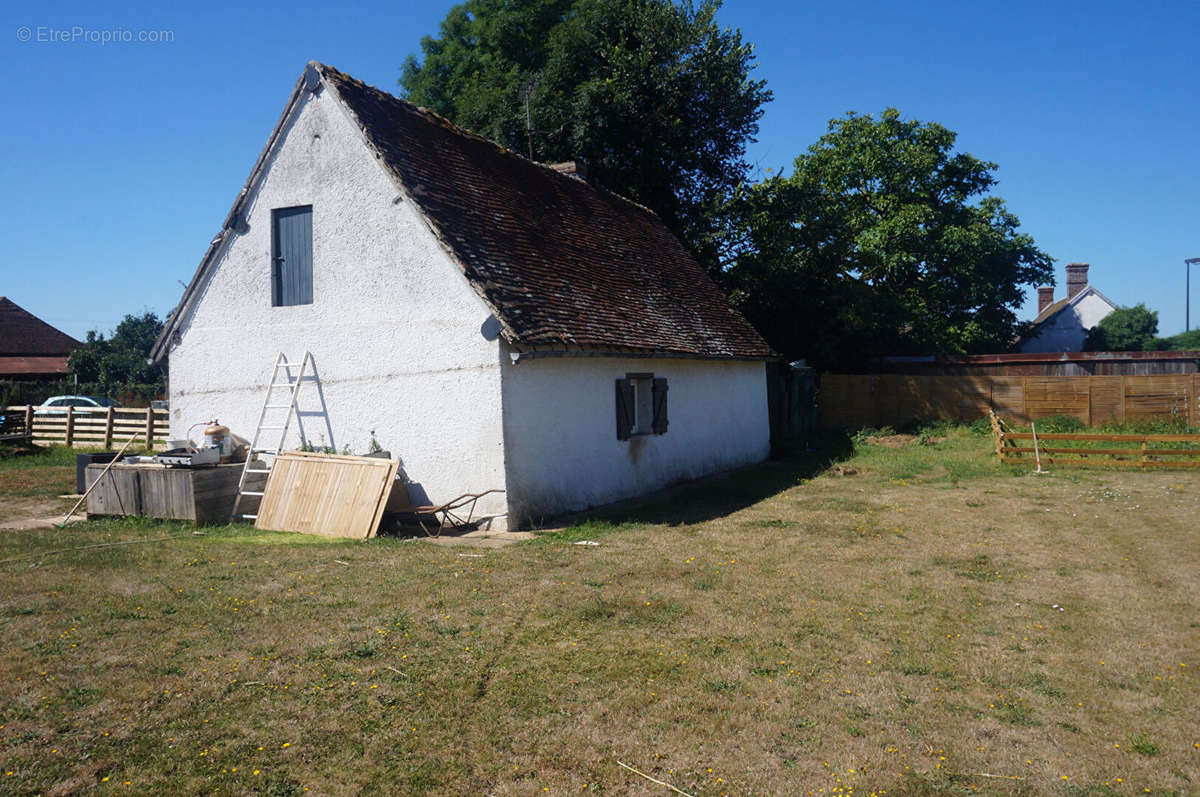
23, 333
561, 261
32, 366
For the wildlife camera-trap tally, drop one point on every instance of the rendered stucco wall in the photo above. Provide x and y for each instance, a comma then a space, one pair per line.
402, 344
560, 438
1066, 331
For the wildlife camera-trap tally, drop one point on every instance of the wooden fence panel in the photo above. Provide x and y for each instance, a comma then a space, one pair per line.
330, 495
1057, 395
912, 402
847, 399
864, 402
1008, 397
833, 390
1195, 400
892, 400
96, 429
1157, 397
1107, 400
973, 396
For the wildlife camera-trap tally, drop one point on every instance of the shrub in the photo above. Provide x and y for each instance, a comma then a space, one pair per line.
1060, 424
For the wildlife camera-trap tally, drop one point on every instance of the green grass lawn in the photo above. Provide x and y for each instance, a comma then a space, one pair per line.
929, 623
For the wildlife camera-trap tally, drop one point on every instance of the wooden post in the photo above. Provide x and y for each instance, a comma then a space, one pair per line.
1025, 398
997, 434
1090, 388
1037, 455
1124, 393
108, 426
88, 491
29, 420
70, 433
149, 428
1193, 397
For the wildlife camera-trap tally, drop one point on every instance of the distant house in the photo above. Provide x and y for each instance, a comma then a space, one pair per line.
493, 322
29, 347
1062, 325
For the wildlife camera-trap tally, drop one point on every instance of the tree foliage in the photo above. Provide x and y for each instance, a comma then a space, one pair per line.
1184, 341
121, 359
882, 241
654, 95
1124, 329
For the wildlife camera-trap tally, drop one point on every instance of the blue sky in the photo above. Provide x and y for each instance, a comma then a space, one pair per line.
121, 159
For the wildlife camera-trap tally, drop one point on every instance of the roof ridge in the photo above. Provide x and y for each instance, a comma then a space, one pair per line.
559, 261
454, 127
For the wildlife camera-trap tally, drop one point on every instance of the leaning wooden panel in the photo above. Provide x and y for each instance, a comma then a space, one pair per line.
326, 494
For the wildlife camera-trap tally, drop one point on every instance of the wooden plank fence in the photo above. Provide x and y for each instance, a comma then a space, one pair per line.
92, 428
855, 401
1118, 450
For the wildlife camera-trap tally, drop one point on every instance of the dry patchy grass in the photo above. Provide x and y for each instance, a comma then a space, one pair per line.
935, 624
31, 480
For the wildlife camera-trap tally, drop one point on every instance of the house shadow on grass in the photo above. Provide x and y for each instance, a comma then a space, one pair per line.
722, 494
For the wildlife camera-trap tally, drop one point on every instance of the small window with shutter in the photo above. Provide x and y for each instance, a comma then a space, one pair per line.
641, 401
291, 256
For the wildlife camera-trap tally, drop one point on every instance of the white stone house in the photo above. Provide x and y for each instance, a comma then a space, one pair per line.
1062, 326
497, 323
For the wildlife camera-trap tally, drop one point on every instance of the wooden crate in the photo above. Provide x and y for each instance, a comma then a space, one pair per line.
201, 495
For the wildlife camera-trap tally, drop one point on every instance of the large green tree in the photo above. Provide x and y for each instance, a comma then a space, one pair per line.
120, 360
1124, 329
882, 241
653, 95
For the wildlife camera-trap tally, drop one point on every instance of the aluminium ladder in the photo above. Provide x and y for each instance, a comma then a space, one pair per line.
281, 378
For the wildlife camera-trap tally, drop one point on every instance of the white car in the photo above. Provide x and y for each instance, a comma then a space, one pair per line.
57, 405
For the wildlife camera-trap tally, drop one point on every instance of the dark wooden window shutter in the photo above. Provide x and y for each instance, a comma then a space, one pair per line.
291, 255
625, 409
660, 406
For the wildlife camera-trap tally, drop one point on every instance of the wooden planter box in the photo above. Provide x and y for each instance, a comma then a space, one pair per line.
201, 495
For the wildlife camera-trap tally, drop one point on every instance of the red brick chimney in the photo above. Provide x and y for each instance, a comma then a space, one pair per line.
1045, 297
1077, 278
575, 168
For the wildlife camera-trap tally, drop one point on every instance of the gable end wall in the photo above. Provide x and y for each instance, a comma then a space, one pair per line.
1066, 330
402, 344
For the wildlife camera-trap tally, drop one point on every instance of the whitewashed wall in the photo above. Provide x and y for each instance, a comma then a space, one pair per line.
1066, 331
397, 333
560, 439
